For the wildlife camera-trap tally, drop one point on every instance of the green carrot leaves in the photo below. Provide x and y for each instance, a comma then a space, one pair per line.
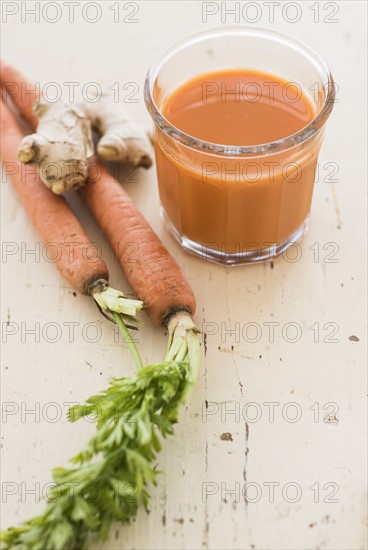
132, 415
110, 476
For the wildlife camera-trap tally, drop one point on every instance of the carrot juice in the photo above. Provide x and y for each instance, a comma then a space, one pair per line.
235, 178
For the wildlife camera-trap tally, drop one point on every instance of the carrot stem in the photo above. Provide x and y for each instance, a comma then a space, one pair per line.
111, 300
128, 340
183, 346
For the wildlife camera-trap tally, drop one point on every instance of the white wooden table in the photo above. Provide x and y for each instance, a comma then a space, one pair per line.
278, 410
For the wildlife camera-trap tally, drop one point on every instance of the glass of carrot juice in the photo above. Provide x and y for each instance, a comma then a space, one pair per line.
239, 116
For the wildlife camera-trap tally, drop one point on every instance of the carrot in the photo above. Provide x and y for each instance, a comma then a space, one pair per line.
23, 93
68, 245
153, 274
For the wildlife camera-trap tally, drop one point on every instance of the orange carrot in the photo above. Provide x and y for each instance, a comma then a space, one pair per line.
153, 274
68, 246
22, 92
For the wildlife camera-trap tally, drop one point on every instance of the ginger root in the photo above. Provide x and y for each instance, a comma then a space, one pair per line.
123, 139
62, 144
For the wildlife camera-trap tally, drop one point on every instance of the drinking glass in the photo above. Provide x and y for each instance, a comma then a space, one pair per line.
236, 204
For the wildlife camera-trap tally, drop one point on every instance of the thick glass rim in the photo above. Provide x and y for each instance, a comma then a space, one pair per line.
234, 150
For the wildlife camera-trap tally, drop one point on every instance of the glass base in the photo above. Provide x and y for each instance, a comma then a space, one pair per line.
238, 257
